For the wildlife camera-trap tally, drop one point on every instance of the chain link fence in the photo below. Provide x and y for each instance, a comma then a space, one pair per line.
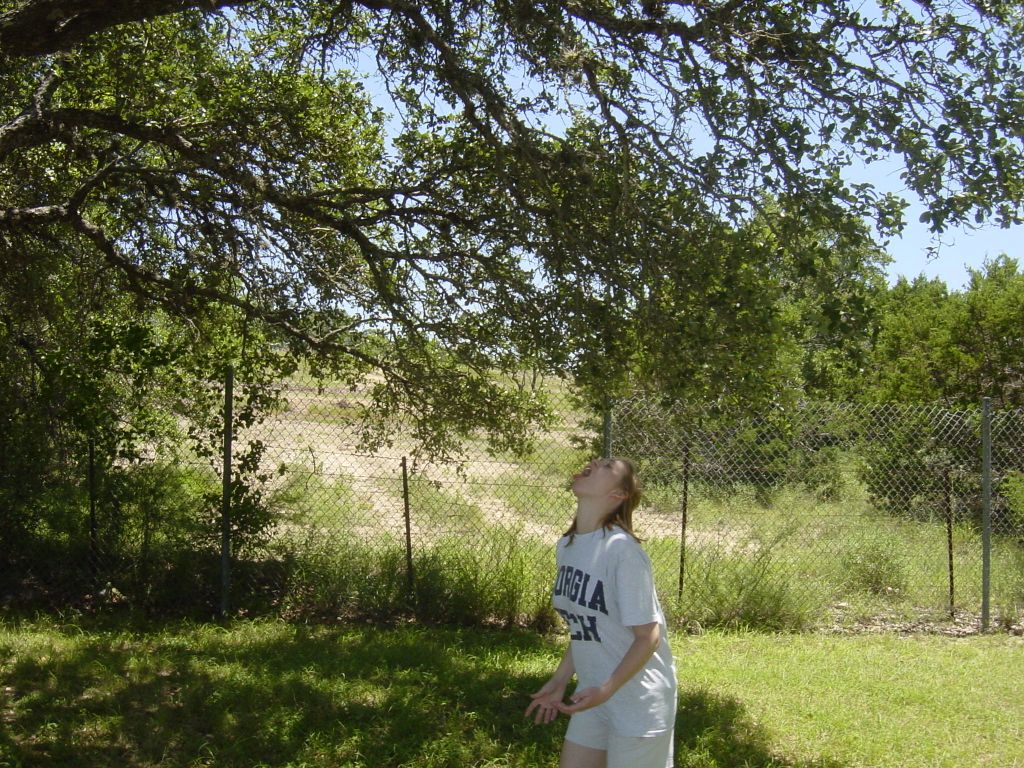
1007, 517
820, 515
817, 516
829, 514
386, 533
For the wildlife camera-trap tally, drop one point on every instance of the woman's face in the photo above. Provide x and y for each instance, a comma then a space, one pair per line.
599, 479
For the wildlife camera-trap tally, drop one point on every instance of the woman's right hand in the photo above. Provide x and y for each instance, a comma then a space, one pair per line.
546, 701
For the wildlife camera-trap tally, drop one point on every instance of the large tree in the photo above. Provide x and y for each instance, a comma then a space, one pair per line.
565, 183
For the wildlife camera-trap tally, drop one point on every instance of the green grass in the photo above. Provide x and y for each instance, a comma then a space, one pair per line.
500, 578
114, 693
308, 502
857, 701
555, 460
432, 503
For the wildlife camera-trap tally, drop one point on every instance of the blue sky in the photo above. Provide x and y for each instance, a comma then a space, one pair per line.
917, 251
957, 250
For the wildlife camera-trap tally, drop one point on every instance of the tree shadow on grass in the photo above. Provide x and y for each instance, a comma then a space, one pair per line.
715, 731
282, 695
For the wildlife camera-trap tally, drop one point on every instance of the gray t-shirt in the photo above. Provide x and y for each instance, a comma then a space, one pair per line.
604, 586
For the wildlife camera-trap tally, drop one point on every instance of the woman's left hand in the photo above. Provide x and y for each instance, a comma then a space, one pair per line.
586, 699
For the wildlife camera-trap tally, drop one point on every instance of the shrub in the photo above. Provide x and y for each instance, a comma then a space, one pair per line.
876, 566
454, 582
746, 588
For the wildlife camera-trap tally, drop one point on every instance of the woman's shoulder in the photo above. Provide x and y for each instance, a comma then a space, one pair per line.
622, 542
626, 554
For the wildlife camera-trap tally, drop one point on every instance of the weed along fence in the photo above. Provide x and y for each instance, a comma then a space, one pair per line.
819, 516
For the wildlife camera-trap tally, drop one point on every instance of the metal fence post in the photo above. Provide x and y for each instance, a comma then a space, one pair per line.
685, 508
986, 508
949, 538
408, 527
225, 510
606, 432
94, 543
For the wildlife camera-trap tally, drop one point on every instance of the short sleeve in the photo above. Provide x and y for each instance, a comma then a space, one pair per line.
634, 589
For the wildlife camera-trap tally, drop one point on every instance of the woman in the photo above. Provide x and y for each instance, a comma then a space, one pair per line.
624, 705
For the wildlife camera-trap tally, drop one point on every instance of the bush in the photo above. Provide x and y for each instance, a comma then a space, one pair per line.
742, 596
747, 588
149, 529
876, 566
918, 462
460, 583
454, 582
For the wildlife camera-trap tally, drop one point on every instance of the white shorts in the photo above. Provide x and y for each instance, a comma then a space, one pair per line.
591, 728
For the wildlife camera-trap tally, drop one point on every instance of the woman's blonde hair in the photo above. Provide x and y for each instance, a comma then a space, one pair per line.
622, 515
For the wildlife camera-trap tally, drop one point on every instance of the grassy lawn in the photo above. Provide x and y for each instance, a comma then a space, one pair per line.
276, 694
866, 700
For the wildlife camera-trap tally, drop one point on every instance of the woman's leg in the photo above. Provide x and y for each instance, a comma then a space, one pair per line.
640, 751
586, 740
577, 756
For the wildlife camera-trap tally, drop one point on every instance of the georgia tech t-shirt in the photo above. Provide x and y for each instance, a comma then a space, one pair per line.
603, 588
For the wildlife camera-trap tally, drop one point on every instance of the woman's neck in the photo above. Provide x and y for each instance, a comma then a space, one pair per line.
589, 517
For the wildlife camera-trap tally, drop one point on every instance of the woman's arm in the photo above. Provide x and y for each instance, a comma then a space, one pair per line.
645, 642
548, 700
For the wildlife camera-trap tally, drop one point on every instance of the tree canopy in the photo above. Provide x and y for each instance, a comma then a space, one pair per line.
436, 192
936, 346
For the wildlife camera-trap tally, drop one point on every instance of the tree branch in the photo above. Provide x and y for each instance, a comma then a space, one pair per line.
41, 27
144, 281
